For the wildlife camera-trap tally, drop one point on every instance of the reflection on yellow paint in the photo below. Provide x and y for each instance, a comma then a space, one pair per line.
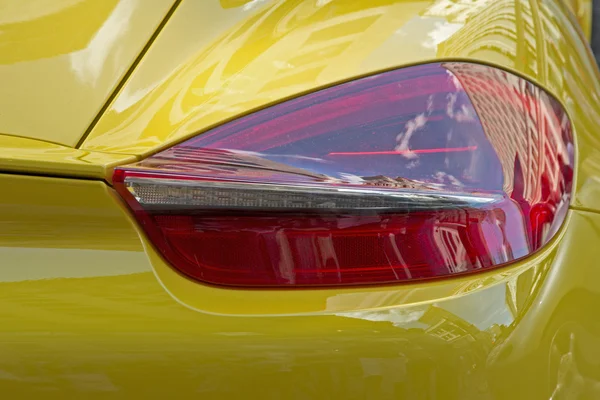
35, 157
83, 312
61, 59
43, 29
287, 47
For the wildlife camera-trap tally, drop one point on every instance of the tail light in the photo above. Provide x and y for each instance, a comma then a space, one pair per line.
423, 172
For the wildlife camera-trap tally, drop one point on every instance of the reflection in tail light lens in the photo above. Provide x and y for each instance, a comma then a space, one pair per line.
423, 172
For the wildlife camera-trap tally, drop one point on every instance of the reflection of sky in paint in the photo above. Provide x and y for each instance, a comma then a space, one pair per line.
252, 4
436, 29
88, 63
413, 28
441, 32
12, 12
482, 308
397, 316
148, 78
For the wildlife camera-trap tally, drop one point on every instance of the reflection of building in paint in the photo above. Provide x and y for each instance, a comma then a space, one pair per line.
451, 328
456, 10
476, 30
512, 22
553, 68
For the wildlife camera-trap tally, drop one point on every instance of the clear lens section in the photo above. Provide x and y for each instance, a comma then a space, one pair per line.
416, 173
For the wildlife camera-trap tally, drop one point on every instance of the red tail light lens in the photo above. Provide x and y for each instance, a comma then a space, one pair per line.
417, 173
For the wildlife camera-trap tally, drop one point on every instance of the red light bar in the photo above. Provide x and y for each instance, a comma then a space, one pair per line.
403, 152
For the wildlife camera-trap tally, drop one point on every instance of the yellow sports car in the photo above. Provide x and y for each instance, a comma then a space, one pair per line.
321, 199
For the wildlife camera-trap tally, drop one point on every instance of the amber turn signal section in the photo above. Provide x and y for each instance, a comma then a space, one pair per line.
423, 172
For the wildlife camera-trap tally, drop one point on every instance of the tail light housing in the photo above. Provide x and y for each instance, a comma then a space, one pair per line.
423, 172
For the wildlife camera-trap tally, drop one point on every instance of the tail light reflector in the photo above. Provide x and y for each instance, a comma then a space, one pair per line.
422, 172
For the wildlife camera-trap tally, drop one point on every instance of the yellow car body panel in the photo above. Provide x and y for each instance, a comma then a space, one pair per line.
61, 59
582, 10
244, 58
89, 309
83, 314
32, 156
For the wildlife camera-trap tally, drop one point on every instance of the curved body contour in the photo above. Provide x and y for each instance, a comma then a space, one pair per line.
87, 306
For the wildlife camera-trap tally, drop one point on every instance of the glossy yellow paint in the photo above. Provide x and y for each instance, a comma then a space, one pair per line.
88, 309
61, 59
36, 157
84, 315
582, 10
